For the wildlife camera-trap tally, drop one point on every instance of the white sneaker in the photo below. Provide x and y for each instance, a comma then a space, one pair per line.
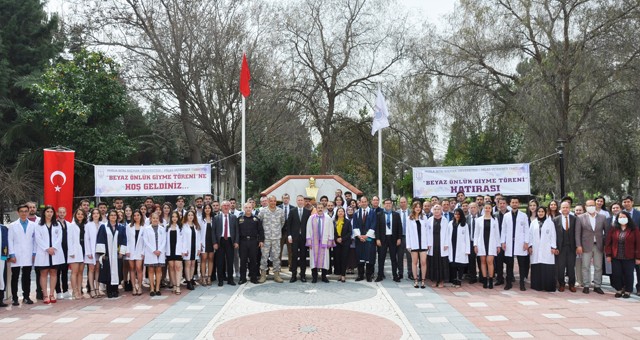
67, 295
60, 296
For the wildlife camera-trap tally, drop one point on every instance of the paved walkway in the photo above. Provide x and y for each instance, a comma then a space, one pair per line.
385, 310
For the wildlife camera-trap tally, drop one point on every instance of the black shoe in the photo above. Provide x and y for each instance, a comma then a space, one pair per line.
325, 280
158, 293
359, 278
585, 290
379, 278
128, 287
397, 279
473, 280
189, 286
242, 281
522, 288
254, 281
490, 283
498, 282
314, 280
369, 279
39, 296
15, 303
410, 277
400, 278
220, 283
293, 279
2, 304
485, 285
303, 279
109, 295
626, 296
152, 293
116, 294
508, 286
231, 283
598, 290
617, 295
27, 301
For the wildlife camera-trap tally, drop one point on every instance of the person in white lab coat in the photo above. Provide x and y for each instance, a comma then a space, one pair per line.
155, 248
486, 243
542, 249
135, 247
191, 241
416, 243
438, 242
75, 251
175, 251
515, 243
90, 241
460, 246
21, 254
48, 238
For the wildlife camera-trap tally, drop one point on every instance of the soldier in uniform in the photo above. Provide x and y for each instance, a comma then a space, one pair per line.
251, 239
272, 219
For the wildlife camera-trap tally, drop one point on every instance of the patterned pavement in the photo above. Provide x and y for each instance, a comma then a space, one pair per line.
385, 310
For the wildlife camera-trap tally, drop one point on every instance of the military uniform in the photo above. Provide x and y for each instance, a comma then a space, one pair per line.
251, 234
272, 222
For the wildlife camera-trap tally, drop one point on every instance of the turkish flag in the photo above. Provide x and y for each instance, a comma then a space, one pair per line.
58, 179
245, 76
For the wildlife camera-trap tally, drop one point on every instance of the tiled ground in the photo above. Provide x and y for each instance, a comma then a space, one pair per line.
334, 310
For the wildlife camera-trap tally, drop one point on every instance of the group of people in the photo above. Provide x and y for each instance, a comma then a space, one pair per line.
445, 241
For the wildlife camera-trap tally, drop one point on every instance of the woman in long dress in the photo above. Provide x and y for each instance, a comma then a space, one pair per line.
486, 243
460, 246
75, 254
439, 239
416, 239
111, 246
342, 234
542, 249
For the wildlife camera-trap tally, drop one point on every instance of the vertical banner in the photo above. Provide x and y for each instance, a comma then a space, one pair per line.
58, 179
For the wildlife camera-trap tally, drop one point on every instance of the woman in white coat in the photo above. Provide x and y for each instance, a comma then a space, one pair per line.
90, 241
542, 249
460, 246
49, 254
416, 239
75, 253
155, 247
207, 265
486, 243
191, 241
135, 247
175, 251
438, 243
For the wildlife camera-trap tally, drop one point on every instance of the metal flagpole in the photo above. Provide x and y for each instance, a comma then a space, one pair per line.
380, 164
244, 155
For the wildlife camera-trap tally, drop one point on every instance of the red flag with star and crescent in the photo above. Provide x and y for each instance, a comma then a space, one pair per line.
58, 179
245, 77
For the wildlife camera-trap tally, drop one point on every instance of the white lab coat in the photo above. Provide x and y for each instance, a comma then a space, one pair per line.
494, 237
135, 249
463, 244
179, 241
22, 244
542, 242
186, 241
44, 242
150, 244
412, 233
74, 247
521, 236
203, 233
445, 236
90, 240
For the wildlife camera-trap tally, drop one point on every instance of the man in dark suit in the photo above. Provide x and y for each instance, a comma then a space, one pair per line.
590, 244
388, 238
296, 231
286, 208
566, 242
364, 233
627, 204
225, 240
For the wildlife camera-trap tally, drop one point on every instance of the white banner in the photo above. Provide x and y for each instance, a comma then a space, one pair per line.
507, 179
152, 180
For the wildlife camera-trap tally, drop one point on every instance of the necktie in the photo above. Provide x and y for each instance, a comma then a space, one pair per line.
226, 227
300, 214
286, 211
320, 227
364, 216
473, 227
566, 225
404, 222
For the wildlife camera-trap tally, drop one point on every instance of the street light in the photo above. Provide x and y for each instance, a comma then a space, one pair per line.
560, 149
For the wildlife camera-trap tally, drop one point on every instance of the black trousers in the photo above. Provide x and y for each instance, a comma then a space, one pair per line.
388, 244
314, 273
361, 270
341, 253
523, 266
401, 252
225, 258
471, 268
499, 266
26, 281
63, 278
299, 255
248, 254
637, 278
566, 261
622, 274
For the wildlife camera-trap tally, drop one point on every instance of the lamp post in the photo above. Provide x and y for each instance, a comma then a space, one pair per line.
560, 149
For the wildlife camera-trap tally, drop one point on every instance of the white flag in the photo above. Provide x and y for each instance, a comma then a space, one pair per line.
380, 114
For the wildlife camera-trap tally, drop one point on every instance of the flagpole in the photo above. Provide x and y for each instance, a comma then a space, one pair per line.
380, 164
244, 156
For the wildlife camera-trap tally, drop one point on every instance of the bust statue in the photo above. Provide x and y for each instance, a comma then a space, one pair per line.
312, 190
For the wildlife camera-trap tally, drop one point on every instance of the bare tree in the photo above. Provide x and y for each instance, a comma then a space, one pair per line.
337, 49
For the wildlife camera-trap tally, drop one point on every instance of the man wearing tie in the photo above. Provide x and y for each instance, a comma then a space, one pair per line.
404, 215
364, 232
471, 221
566, 243
286, 207
590, 244
388, 238
296, 236
225, 240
